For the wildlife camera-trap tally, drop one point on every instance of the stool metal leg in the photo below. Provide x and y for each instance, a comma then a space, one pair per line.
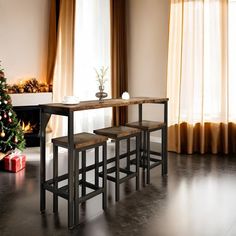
148, 156
83, 173
164, 152
128, 154
55, 176
137, 160
104, 181
117, 173
76, 210
97, 167
144, 161
165, 139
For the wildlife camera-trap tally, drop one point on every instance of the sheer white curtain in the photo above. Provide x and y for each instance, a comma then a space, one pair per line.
202, 76
232, 59
92, 51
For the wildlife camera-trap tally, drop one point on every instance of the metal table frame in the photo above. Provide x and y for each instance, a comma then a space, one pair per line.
47, 110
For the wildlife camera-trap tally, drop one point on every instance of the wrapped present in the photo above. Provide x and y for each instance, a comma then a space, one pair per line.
1, 164
14, 162
2, 155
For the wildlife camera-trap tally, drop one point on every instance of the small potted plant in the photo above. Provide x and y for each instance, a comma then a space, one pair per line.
101, 78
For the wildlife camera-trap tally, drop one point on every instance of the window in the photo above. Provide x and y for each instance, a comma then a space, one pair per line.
92, 51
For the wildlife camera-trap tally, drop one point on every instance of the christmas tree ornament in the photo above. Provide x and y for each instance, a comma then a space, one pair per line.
5, 115
9, 113
5, 102
10, 120
2, 134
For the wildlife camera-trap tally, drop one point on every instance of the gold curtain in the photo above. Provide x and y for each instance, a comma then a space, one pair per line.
118, 58
63, 72
201, 115
52, 39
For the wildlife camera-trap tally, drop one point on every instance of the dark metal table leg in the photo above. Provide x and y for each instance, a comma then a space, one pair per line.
55, 175
44, 118
70, 169
140, 112
104, 181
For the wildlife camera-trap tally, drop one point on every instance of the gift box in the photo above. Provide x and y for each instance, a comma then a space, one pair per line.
2, 164
14, 162
2, 155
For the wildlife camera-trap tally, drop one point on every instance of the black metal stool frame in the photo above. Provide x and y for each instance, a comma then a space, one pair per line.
52, 184
117, 180
146, 158
145, 146
85, 184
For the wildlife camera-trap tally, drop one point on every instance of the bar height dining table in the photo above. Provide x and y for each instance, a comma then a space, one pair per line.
47, 110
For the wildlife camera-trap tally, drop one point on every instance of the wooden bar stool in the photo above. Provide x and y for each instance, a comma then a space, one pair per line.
117, 134
82, 143
148, 162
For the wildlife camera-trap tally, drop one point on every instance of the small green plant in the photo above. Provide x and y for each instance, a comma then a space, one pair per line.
101, 75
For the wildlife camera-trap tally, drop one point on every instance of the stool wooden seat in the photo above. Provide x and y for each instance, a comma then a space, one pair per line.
148, 162
82, 142
119, 133
147, 125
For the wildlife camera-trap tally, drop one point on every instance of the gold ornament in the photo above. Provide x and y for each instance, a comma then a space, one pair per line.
2, 134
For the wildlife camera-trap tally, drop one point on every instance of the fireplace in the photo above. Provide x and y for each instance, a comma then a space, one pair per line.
26, 106
29, 118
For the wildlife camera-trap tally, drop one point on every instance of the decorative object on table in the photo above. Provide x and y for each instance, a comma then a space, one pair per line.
11, 134
70, 100
125, 95
101, 78
14, 162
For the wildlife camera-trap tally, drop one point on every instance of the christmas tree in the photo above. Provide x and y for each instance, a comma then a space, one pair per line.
11, 134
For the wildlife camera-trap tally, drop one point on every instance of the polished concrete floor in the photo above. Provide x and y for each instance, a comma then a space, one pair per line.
197, 198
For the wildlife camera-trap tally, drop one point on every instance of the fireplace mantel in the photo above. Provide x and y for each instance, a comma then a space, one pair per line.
30, 99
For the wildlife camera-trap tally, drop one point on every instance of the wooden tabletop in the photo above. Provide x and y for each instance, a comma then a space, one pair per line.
95, 104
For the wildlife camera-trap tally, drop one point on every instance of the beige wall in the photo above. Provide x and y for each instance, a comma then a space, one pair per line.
23, 38
148, 23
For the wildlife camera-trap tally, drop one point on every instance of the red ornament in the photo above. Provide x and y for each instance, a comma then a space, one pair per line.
10, 120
